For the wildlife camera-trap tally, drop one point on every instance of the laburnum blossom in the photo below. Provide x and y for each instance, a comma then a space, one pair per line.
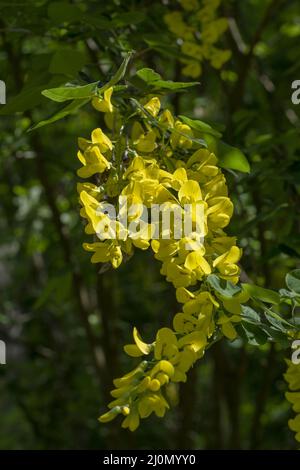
165, 165
292, 376
197, 27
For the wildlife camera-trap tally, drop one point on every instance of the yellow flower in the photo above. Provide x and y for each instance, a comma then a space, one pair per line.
292, 376
181, 136
131, 376
93, 162
213, 30
131, 421
189, 192
218, 57
227, 327
184, 295
189, 5
219, 212
165, 344
152, 403
104, 104
141, 237
294, 425
140, 348
196, 341
111, 414
91, 156
192, 69
178, 275
143, 141
185, 323
92, 189
108, 251
153, 106
163, 366
166, 119
177, 25
196, 262
192, 49
182, 363
161, 164
226, 264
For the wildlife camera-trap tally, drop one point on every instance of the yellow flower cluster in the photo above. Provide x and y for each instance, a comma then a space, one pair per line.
159, 160
198, 30
292, 377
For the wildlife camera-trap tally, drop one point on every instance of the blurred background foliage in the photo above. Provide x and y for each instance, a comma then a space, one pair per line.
64, 324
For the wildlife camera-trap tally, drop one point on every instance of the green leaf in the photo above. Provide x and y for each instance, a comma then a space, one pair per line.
148, 75
277, 336
153, 80
173, 86
232, 157
252, 333
265, 295
277, 318
71, 92
200, 126
226, 288
292, 280
275, 321
287, 294
69, 109
78, 92
119, 73
249, 315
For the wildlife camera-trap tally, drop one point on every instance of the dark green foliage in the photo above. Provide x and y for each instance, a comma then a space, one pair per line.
64, 324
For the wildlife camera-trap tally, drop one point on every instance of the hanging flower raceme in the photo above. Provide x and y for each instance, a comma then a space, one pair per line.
197, 27
152, 163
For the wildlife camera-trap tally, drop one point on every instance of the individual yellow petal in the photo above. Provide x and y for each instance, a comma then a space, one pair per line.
195, 260
110, 415
154, 385
142, 346
104, 104
183, 295
99, 138
196, 339
131, 421
164, 366
153, 106
132, 375
229, 331
132, 350
165, 339
189, 192
166, 119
